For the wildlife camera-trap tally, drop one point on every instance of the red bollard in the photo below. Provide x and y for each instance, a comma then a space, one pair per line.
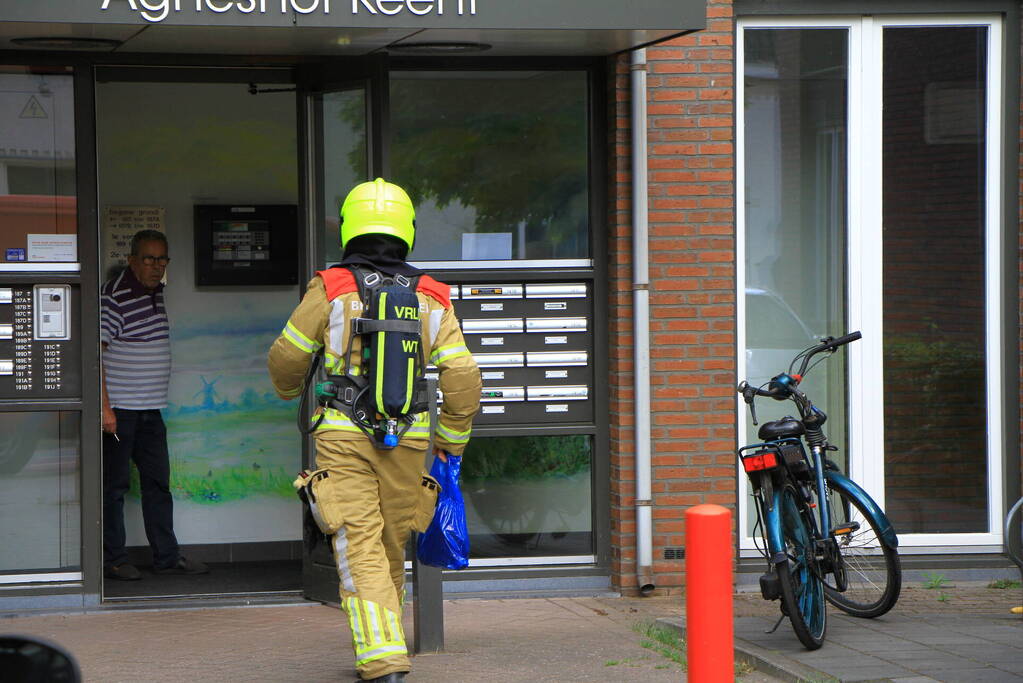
710, 648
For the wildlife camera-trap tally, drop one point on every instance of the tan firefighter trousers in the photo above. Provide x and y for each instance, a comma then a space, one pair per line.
379, 498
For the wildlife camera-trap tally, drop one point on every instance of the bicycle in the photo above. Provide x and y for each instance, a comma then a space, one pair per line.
824, 538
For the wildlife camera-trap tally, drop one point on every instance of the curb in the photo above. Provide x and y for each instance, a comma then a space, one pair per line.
766, 661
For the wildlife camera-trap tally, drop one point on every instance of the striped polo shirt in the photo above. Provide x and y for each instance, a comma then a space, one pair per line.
137, 360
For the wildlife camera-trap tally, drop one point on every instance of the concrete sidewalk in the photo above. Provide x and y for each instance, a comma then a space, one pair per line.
512, 640
959, 632
967, 635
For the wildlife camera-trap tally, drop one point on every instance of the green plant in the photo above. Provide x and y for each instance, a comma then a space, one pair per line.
932, 580
665, 641
943, 597
743, 668
1002, 584
525, 457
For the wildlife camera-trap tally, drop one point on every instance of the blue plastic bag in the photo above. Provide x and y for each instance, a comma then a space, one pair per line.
445, 543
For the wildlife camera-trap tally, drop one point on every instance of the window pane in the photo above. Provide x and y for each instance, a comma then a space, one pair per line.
934, 185
528, 496
39, 495
344, 160
795, 156
496, 163
37, 165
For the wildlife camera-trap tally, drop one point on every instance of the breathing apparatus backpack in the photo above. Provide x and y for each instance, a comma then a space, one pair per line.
386, 390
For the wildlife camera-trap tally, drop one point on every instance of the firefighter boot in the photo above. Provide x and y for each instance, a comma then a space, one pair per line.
394, 677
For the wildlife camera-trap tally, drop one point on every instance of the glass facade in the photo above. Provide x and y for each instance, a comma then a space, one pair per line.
934, 141
528, 496
40, 499
795, 158
38, 220
496, 163
345, 160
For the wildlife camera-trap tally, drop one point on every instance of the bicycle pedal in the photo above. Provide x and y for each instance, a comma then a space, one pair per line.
845, 529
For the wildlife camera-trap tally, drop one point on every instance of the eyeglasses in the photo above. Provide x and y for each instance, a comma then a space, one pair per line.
150, 260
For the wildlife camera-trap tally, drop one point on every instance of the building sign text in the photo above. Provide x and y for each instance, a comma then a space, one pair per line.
155, 11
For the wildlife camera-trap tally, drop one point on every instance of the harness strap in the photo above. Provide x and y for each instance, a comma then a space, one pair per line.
367, 325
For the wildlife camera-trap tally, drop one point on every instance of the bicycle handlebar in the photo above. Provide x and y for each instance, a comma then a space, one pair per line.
843, 340
828, 344
783, 386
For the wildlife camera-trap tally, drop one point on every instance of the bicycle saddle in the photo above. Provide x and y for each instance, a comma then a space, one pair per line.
787, 427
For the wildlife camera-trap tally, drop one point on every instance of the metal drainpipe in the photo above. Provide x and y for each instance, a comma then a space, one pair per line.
641, 325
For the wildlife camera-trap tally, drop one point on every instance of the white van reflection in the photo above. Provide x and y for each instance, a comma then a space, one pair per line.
774, 335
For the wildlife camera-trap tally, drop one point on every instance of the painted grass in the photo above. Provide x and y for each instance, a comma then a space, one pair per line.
224, 484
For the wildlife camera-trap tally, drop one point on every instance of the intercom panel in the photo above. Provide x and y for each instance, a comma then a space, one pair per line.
39, 353
245, 245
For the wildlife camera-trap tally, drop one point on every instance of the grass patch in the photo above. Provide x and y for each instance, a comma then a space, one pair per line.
663, 640
743, 668
669, 643
932, 580
1003, 584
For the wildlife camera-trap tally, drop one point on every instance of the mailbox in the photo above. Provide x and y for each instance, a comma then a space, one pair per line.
39, 355
533, 344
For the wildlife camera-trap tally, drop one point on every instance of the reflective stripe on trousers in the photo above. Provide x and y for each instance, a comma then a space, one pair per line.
376, 631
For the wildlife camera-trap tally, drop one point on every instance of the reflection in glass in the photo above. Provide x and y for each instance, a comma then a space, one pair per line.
795, 178
496, 162
39, 495
345, 162
37, 156
528, 496
933, 173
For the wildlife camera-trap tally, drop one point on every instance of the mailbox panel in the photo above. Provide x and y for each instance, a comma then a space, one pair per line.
562, 299
533, 343
39, 349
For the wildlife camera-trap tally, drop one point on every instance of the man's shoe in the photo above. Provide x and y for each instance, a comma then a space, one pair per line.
122, 572
393, 677
183, 566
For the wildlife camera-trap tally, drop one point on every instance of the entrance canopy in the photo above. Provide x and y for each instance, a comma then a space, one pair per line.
348, 27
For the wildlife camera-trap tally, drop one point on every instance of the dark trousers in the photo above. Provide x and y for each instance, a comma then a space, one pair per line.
142, 439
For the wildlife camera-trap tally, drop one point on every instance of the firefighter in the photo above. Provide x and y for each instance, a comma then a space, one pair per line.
378, 487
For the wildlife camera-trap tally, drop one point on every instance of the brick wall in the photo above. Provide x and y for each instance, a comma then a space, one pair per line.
691, 161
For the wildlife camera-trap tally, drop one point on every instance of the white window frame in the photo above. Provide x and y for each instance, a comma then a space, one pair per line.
864, 284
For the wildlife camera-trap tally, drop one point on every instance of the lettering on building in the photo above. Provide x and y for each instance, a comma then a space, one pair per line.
155, 11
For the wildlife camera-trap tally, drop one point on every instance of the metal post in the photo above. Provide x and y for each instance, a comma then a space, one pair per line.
710, 649
427, 582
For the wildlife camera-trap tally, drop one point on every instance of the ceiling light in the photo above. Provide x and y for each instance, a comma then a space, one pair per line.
68, 43
439, 47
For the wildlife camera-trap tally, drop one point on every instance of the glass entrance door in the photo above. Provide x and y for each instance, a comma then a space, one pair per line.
336, 148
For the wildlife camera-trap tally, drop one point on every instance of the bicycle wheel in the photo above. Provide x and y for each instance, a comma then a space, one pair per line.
802, 593
873, 572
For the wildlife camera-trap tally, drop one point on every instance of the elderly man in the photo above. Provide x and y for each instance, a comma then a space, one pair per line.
135, 335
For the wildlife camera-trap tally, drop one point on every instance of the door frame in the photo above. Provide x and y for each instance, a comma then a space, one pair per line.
319, 580
863, 284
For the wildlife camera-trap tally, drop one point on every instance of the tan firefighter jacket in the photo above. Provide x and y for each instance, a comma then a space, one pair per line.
321, 322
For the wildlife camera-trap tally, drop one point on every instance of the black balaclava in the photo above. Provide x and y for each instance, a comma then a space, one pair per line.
380, 252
